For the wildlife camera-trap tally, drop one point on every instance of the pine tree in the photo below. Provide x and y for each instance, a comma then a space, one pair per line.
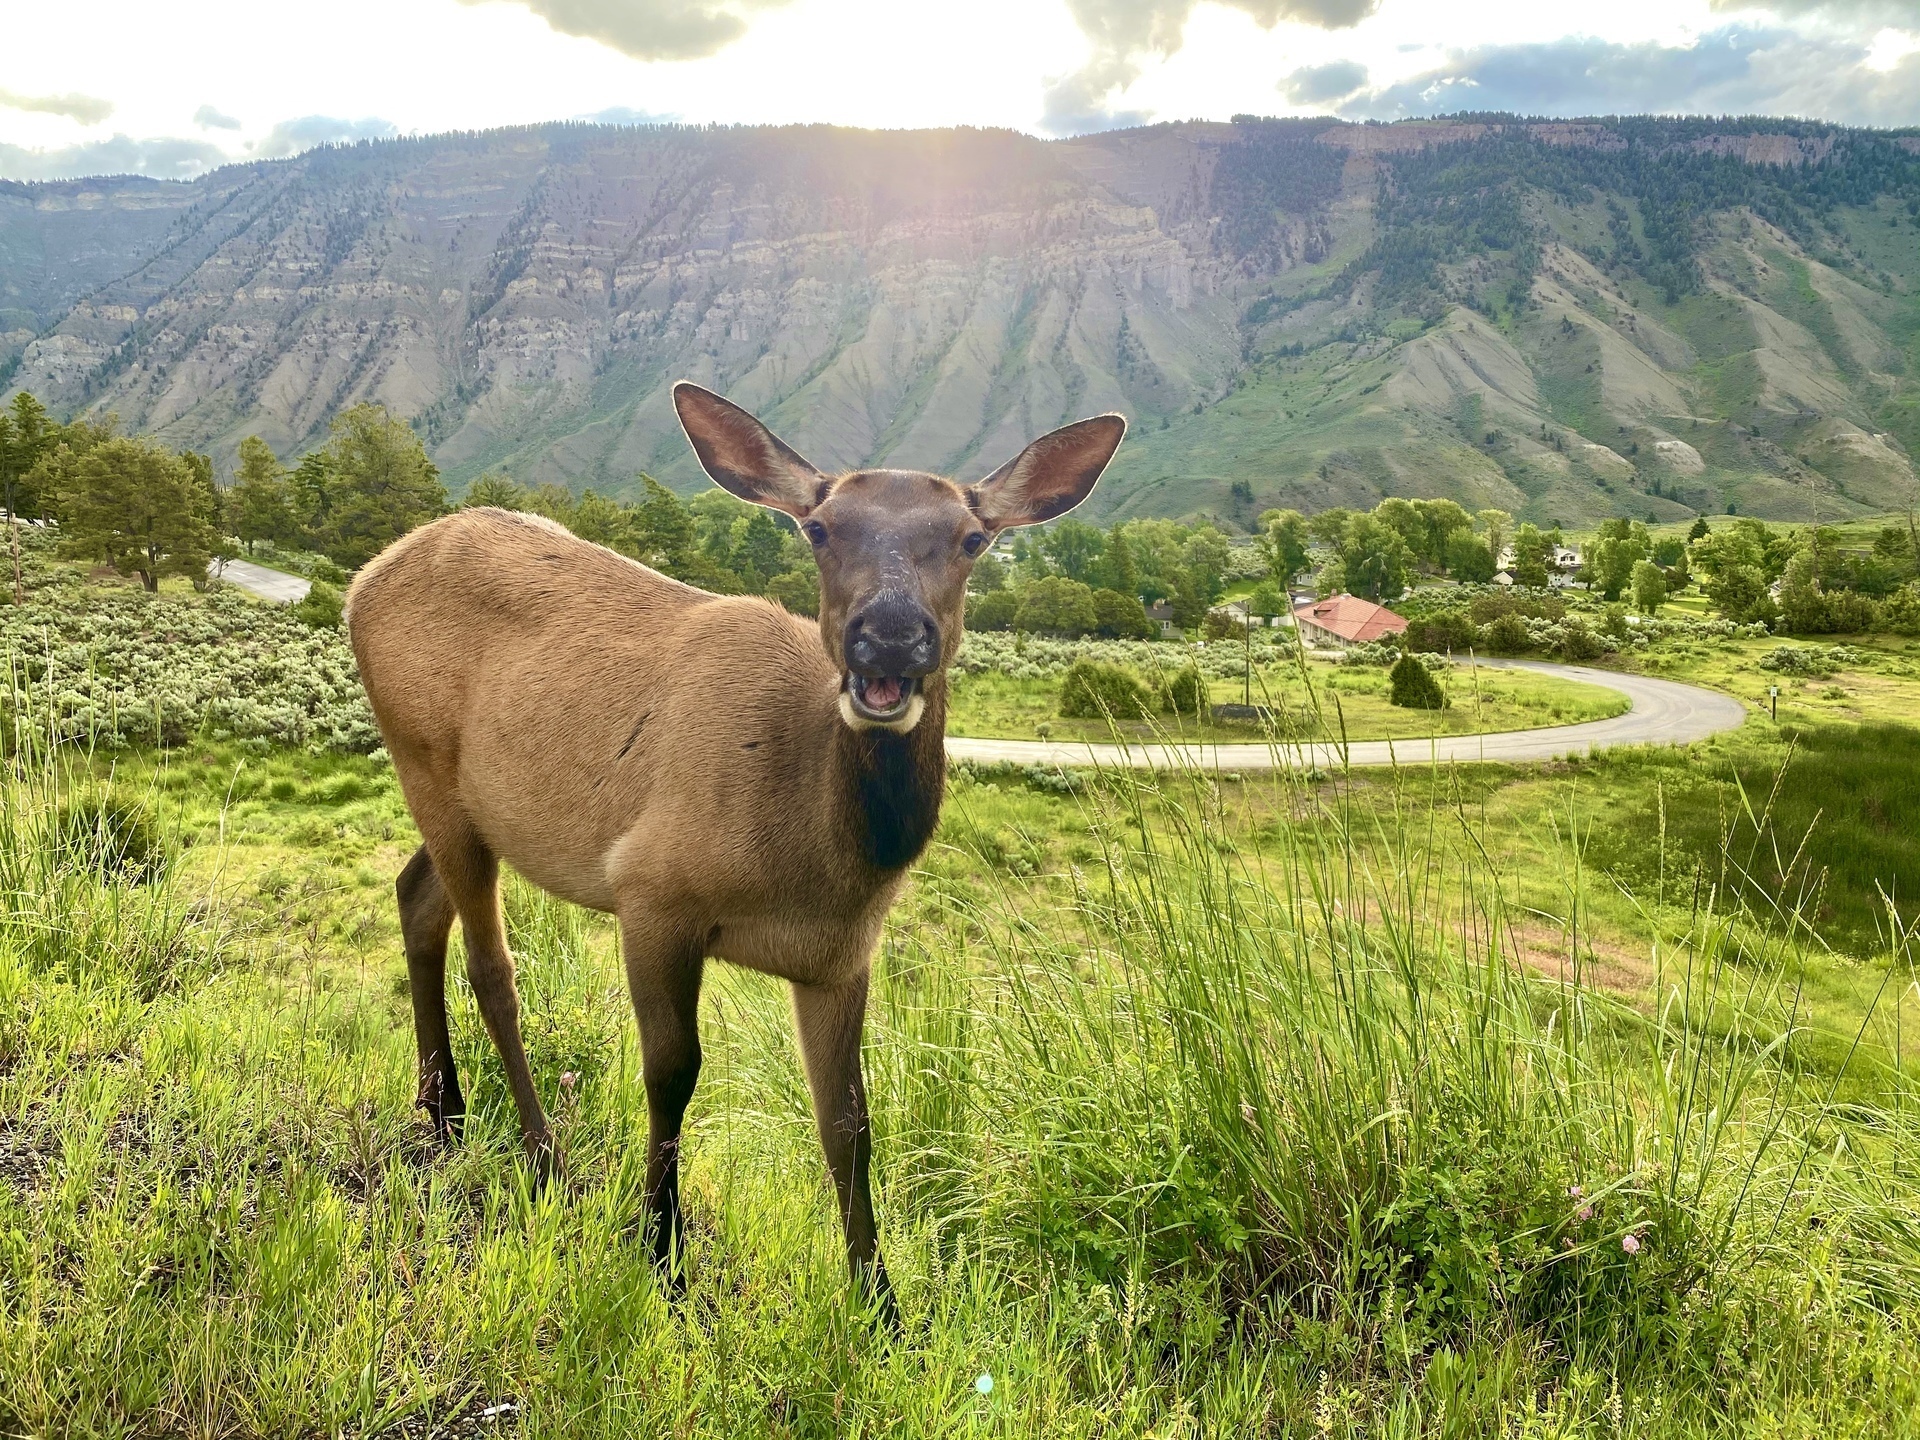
1414, 687
260, 504
383, 485
139, 509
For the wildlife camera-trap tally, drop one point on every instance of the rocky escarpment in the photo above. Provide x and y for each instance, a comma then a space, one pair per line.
932, 299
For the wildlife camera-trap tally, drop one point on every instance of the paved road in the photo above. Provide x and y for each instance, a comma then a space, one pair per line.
267, 584
1664, 713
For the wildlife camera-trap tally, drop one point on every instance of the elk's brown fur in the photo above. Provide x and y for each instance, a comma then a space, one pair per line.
705, 768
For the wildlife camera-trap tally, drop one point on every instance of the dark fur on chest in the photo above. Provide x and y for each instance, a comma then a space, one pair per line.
896, 785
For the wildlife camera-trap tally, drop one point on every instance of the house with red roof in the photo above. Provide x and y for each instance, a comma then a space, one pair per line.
1343, 620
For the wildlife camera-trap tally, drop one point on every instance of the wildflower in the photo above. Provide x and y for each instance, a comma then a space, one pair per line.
1630, 1243
1574, 1192
568, 1080
1585, 1212
1246, 1112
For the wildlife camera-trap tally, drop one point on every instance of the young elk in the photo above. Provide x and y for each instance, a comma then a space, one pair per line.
725, 778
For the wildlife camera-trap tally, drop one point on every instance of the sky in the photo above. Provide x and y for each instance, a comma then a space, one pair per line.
172, 88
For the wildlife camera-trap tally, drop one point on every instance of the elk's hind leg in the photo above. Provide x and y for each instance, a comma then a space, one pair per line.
426, 919
470, 874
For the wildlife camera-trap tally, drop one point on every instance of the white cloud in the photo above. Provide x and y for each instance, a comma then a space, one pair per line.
1123, 33
290, 137
164, 158
1730, 71
87, 109
1890, 47
1039, 65
647, 29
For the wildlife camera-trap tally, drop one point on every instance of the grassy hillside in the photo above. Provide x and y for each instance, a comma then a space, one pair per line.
1568, 320
1783, 385
1572, 1100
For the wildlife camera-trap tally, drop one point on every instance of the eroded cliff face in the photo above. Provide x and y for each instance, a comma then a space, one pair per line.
935, 299
914, 300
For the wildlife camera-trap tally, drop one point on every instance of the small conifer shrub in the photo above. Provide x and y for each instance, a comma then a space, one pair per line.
1414, 687
1095, 690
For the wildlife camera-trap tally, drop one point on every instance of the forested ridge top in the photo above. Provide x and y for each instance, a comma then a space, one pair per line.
1568, 319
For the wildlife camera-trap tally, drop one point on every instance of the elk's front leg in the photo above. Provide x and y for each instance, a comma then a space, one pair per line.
663, 976
471, 876
830, 1020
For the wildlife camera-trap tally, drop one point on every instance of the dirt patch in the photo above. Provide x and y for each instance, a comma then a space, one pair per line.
25, 1156
1603, 964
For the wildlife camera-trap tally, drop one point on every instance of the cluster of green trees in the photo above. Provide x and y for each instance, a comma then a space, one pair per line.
131, 504
1377, 554
1809, 582
1071, 579
150, 512
348, 500
1625, 560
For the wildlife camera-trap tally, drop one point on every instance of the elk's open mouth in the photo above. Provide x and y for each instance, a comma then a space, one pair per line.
881, 697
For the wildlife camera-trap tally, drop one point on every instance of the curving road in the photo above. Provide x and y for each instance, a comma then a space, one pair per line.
1664, 712
275, 585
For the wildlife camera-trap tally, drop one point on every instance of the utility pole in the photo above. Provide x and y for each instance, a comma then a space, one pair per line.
1246, 680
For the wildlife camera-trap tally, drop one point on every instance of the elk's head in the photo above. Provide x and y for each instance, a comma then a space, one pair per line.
895, 547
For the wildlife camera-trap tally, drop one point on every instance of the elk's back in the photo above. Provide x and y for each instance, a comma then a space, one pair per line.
582, 713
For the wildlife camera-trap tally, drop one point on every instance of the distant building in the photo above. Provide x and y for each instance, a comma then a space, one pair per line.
1236, 611
1343, 620
1161, 614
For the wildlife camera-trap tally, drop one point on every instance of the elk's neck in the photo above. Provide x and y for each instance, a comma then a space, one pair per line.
892, 784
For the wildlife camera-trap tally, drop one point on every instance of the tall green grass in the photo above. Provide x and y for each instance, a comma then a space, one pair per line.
1190, 1139
1825, 836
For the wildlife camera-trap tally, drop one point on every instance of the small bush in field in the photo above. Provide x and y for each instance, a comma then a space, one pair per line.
1414, 687
108, 836
1094, 690
1186, 693
321, 609
1578, 643
1507, 635
1220, 625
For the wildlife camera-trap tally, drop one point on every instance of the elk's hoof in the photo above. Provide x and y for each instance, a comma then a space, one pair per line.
543, 1160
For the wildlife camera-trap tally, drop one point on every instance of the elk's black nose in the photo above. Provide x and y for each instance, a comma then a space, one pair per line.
892, 634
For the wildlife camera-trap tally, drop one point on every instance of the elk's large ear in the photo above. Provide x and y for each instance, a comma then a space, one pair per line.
1049, 477
743, 456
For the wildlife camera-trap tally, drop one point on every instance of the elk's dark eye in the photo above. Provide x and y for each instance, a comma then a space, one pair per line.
815, 532
974, 543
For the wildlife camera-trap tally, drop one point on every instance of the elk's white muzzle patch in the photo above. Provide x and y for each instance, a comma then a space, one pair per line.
882, 702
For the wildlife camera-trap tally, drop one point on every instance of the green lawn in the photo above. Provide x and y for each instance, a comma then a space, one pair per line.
1328, 699
1573, 1100
1225, 1110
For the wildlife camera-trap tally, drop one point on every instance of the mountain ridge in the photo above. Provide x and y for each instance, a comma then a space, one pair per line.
1541, 315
